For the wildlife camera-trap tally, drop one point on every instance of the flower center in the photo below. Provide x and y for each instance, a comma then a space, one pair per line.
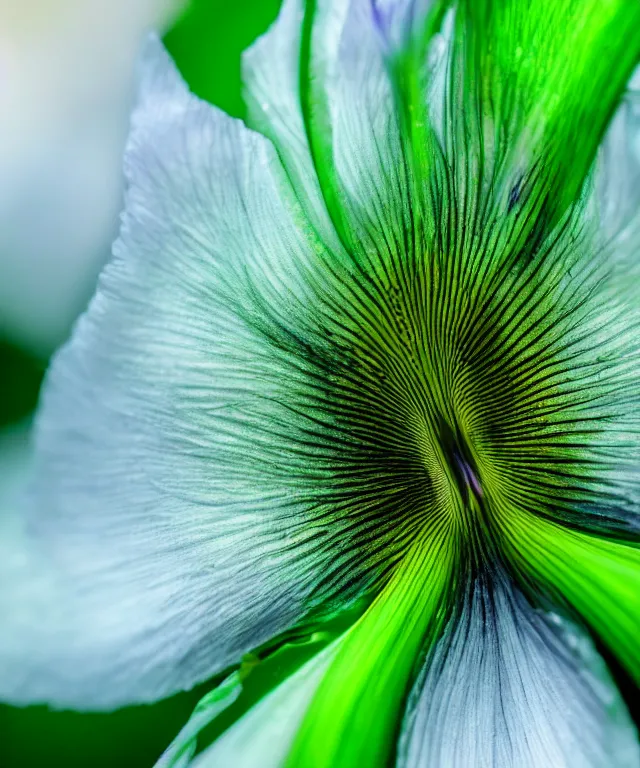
461, 463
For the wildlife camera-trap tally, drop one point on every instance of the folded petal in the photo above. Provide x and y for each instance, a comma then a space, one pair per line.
509, 685
271, 75
263, 737
319, 87
179, 753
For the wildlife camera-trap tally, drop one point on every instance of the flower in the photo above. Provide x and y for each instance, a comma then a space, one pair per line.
353, 414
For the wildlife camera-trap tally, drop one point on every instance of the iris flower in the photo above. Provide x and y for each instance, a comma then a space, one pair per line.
352, 422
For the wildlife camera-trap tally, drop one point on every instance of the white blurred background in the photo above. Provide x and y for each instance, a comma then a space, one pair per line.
66, 86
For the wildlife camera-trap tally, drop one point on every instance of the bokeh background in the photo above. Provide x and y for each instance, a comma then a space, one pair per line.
66, 87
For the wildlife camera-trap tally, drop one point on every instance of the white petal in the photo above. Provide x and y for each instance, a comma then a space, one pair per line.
356, 117
512, 687
271, 75
618, 173
263, 737
373, 178
163, 530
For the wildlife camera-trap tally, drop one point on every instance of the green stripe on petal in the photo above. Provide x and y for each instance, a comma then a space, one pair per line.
271, 75
353, 131
520, 84
600, 577
315, 108
232, 704
354, 715
542, 80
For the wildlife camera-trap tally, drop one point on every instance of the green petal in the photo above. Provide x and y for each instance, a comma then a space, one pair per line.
599, 577
543, 81
235, 707
353, 717
530, 91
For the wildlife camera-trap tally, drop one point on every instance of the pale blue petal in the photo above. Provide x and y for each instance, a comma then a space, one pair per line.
617, 176
271, 76
351, 85
511, 686
165, 525
348, 138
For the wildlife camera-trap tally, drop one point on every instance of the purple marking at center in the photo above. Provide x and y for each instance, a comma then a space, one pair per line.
470, 477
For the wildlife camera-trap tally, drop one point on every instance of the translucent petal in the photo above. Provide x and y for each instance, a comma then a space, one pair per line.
183, 747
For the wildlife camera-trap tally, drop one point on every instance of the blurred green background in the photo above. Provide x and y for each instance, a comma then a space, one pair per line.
206, 42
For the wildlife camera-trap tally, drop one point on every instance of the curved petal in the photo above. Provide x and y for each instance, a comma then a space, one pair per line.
513, 110
328, 104
523, 110
598, 576
508, 685
271, 76
352, 719
169, 518
263, 737
182, 749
